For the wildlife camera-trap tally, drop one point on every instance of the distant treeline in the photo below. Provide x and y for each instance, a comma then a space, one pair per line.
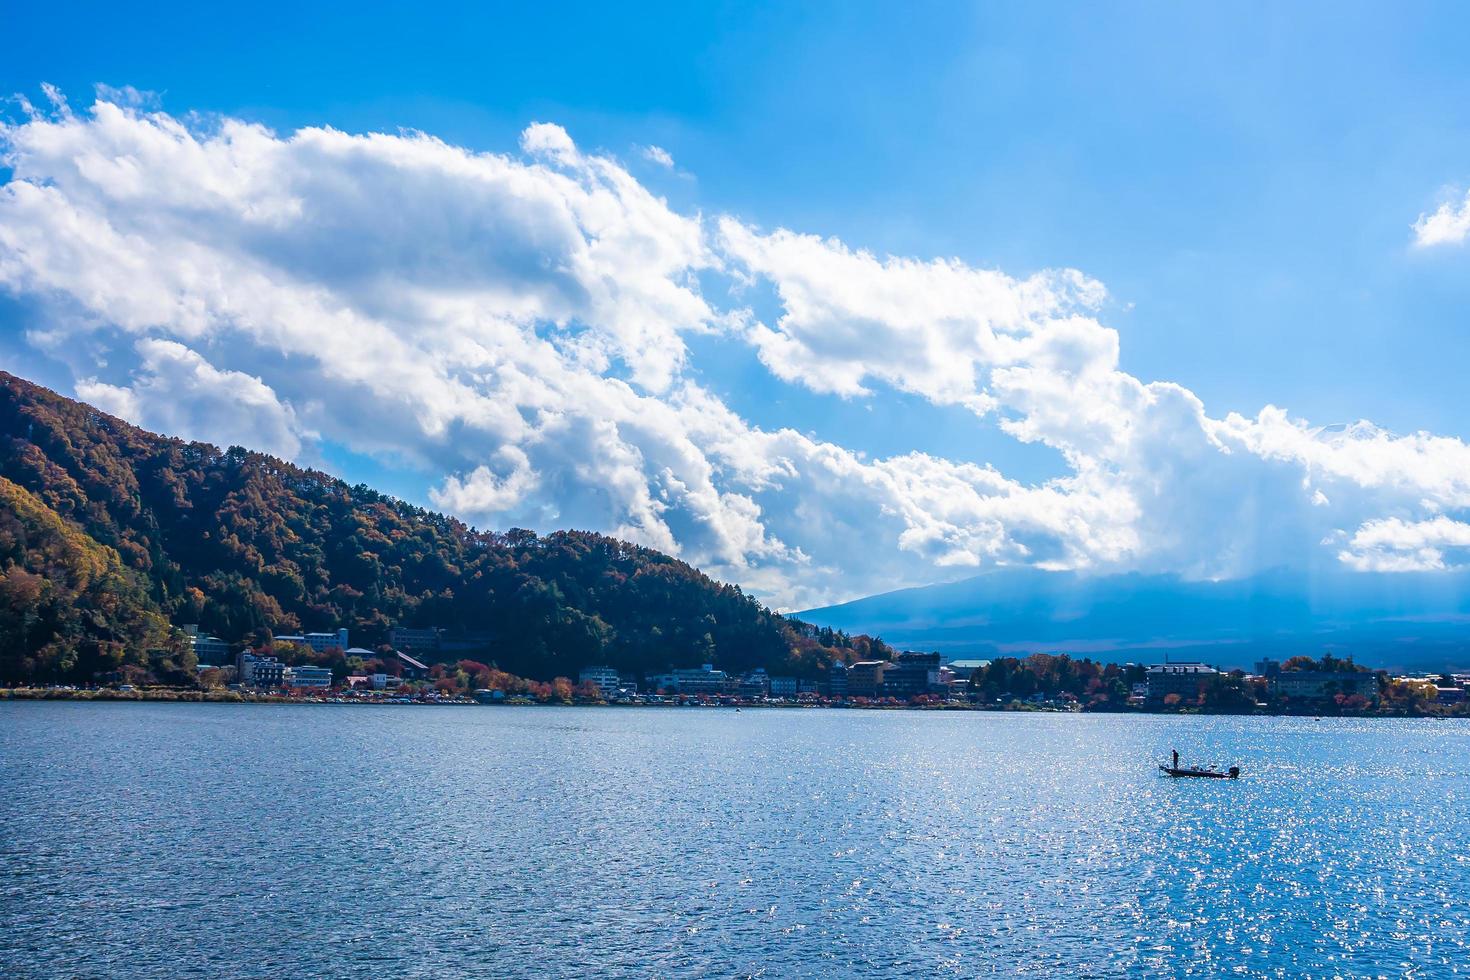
1096, 686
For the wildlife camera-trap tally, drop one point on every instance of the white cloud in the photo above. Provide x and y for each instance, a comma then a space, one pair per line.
931, 328
517, 323
176, 391
658, 155
1395, 545
1449, 225
1156, 483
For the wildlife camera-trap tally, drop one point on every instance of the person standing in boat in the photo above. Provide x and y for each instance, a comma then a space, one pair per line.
1176, 758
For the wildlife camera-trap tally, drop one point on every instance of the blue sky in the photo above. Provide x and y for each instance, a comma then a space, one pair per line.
1243, 180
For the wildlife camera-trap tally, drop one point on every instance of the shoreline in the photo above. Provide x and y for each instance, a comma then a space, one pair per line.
179, 696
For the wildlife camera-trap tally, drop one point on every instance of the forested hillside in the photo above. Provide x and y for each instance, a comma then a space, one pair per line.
108, 533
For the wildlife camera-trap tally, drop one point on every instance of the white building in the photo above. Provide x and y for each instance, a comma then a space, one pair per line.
606, 679
319, 642
315, 677
385, 682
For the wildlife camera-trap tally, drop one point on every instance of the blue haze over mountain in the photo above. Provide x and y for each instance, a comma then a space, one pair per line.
1401, 621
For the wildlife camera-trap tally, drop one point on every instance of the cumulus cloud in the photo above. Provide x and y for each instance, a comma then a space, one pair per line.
926, 327
1156, 484
1395, 545
517, 324
175, 390
1448, 225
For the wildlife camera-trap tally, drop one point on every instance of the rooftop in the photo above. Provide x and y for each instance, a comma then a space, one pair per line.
410, 661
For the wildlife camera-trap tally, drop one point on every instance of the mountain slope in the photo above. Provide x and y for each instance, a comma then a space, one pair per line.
1389, 620
237, 541
67, 604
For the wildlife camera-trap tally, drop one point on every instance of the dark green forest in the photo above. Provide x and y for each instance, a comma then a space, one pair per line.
109, 533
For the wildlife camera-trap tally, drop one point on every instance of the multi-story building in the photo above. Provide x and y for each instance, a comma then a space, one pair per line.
320, 642
423, 639
207, 649
701, 680
313, 677
837, 681
756, 684
261, 671
667, 683
911, 674
211, 649
606, 679
385, 682
784, 687
1185, 679
865, 678
1322, 685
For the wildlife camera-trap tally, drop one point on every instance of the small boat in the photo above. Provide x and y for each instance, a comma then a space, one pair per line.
1180, 771
1177, 771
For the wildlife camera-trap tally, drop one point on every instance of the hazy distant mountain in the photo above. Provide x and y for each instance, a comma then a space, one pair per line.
1419, 620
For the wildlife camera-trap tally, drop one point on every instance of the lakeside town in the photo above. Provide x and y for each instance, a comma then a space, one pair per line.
418, 665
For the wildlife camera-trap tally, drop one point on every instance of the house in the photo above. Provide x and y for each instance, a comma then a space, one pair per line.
412, 668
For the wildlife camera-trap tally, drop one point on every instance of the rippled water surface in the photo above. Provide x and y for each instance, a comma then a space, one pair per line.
272, 841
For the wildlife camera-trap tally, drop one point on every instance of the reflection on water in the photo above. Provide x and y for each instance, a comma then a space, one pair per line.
282, 840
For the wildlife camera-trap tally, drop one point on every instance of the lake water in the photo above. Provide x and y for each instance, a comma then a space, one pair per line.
283, 841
